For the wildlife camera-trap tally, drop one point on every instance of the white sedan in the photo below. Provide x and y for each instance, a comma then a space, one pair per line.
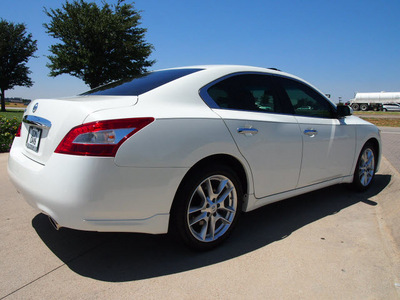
391, 107
186, 150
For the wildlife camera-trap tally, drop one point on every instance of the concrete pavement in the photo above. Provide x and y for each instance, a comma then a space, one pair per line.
329, 244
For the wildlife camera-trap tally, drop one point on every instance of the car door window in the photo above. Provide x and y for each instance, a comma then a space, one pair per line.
306, 101
250, 92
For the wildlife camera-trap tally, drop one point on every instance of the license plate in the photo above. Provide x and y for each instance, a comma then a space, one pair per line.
33, 140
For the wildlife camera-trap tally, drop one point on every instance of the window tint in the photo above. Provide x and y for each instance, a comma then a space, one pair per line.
246, 92
140, 85
305, 100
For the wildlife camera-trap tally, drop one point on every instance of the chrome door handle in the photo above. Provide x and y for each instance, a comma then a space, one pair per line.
246, 131
310, 132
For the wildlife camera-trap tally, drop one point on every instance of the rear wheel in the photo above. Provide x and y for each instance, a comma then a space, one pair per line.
355, 106
364, 107
365, 168
207, 207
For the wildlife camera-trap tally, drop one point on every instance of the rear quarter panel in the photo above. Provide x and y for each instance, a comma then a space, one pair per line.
176, 143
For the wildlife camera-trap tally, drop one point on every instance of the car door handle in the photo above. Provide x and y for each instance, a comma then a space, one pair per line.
310, 132
247, 131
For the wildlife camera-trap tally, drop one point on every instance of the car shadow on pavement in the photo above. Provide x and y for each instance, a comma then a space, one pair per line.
120, 257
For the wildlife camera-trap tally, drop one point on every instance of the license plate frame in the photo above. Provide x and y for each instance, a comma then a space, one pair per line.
33, 140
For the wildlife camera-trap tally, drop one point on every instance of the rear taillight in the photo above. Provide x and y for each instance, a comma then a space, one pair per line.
18, 133
101, 138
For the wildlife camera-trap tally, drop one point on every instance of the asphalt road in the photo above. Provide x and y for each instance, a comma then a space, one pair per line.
391, 145
15, 108
329, 244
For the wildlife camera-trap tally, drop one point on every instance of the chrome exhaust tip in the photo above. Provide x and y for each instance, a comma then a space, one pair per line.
54, 223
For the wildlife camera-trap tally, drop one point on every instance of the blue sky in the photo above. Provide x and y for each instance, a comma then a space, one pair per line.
339, 46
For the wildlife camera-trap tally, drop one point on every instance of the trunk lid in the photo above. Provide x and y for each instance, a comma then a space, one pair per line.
47, 121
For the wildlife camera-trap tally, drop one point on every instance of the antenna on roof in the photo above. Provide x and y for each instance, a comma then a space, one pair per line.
275, 69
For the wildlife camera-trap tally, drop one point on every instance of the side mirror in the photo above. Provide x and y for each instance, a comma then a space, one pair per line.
343, 111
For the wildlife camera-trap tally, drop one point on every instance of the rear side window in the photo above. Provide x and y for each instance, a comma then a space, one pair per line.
140, 85
249, 92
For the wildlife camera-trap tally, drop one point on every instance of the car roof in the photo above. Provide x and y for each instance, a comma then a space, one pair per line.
205, 74
222, 70
216, 71
232, 69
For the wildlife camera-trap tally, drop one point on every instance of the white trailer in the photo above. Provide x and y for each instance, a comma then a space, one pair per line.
366, 101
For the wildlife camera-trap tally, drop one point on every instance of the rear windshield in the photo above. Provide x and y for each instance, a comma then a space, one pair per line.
141, 84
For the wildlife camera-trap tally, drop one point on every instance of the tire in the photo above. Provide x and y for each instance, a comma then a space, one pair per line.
355, 107
365, 168
207, 207
364, 107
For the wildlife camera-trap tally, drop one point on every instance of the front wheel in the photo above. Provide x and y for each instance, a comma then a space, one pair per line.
207, 207
365, 168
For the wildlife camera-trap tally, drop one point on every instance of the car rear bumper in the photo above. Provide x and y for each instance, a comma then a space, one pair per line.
93, 193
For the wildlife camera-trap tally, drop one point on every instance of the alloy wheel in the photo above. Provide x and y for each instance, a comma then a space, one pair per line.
212, 208
366, 167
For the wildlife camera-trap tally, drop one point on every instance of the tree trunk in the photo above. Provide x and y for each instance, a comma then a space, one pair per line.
3, 102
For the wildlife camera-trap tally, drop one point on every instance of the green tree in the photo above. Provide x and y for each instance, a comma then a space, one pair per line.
98, 44
16, 47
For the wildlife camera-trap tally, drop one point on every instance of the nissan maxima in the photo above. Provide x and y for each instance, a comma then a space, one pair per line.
186, 150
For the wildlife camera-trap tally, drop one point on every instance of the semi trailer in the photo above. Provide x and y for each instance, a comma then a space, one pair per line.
373, 101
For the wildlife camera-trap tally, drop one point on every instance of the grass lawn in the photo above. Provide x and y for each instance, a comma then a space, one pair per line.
12, 114
377, 113
392, 119
383, 122
20, 105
